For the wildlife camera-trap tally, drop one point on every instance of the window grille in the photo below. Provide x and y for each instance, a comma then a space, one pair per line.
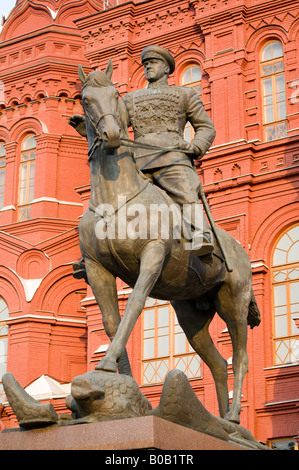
165, 346
191, 77
285, 294
273, 91
27, 177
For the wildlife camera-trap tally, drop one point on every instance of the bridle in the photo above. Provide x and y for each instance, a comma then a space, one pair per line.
98, 141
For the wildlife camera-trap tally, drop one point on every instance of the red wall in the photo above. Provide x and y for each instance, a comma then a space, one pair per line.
252, 186
39, 77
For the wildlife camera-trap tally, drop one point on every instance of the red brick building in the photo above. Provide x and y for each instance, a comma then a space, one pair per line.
242, 58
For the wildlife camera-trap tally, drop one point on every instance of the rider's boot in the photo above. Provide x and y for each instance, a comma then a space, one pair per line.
79, 271
202, 243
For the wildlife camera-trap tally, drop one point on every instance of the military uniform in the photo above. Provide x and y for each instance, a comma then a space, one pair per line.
158, 116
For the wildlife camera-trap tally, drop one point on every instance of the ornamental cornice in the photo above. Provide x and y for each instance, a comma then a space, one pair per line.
211, 14
142, 20
12, 244
10, 149
73, 146
48, 141
33, 72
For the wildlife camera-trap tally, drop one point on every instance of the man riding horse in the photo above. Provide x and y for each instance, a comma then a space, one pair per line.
159, 266
158, 115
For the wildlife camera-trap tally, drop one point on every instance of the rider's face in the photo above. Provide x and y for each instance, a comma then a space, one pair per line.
154, 69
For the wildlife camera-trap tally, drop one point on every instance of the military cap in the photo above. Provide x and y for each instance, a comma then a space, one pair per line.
157, 52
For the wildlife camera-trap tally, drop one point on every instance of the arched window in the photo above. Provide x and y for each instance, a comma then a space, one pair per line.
285, 288
27, 177
273, 91
165, 346
3, 343
191, 77
2, 173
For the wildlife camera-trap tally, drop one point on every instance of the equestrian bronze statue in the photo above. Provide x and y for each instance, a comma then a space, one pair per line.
157, 257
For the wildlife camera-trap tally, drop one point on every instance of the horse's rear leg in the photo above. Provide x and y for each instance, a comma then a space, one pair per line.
151, 263
233, 309
103, 285
195, 323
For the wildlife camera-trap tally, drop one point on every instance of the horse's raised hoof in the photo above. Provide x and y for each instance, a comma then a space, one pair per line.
107, 365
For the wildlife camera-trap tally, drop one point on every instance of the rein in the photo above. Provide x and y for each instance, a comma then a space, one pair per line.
132, 144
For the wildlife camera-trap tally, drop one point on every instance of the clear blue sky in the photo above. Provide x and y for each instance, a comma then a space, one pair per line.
6, 6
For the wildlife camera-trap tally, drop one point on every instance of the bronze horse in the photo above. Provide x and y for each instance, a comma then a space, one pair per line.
159, 266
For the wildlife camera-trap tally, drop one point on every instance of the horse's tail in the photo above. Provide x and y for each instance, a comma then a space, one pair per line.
254, 316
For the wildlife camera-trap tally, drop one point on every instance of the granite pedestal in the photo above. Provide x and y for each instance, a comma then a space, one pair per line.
140, 433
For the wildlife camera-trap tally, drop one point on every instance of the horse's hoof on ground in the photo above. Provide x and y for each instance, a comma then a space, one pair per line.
232, 417
107, 365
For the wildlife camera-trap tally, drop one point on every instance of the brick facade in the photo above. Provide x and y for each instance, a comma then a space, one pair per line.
251, 184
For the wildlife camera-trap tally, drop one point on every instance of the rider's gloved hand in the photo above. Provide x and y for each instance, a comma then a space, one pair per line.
184, 145
78, 122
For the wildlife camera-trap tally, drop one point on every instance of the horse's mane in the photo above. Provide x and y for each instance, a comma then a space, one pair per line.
97, 79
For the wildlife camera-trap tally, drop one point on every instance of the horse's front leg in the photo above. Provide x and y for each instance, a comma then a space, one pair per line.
151, 263
103, 285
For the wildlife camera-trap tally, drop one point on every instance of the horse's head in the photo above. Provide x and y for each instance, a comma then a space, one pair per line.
101, 106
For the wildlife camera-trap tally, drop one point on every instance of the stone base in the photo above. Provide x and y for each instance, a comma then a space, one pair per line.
141, 433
